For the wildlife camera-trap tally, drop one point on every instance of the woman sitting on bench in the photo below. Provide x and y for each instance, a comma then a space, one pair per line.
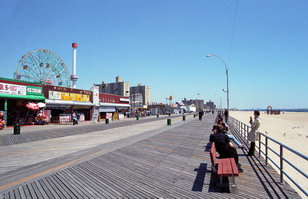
224, 145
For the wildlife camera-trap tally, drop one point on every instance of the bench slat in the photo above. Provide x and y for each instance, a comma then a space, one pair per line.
213, 154
229, 166
234, 167
226, 166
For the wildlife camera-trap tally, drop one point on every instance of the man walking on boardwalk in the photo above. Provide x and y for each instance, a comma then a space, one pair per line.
200, 115
226, 113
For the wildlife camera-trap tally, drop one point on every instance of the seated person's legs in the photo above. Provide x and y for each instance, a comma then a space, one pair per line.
234, 140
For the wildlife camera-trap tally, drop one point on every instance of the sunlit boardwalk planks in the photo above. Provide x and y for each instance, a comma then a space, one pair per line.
171, 164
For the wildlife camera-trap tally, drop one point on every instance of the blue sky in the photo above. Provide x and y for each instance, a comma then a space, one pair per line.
162, 44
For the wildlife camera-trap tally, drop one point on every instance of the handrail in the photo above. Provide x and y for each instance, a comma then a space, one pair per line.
243, 132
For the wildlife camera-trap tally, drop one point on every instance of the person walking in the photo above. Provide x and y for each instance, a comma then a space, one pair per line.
253, 134
74, 118
226, 113
200, 115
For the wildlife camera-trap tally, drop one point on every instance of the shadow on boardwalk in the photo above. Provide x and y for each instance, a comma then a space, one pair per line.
172, 164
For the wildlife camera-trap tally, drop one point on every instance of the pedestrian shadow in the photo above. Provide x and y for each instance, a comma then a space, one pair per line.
212, 182
200, 177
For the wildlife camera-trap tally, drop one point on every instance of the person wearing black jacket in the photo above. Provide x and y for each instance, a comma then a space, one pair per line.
224, 145
200, 115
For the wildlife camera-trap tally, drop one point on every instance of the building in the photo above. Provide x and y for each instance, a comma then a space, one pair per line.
116, 88
112, 106
15, 98
142, 94
199, 104
210, 105
61, 102
157, 108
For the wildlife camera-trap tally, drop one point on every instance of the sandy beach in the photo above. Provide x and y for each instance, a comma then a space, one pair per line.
289, 128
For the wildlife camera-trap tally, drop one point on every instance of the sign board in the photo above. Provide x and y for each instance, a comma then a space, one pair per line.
12, 89
108, 115
33, 90
95, 114
68, 96
54, 95
96, 95
65, 118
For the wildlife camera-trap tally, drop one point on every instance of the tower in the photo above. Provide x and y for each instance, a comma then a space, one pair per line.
74, 77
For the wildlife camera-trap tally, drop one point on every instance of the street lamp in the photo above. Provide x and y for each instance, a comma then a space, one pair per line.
220, 100
226, 75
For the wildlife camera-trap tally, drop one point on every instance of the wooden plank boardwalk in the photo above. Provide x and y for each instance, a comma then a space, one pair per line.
54, 132
172, 164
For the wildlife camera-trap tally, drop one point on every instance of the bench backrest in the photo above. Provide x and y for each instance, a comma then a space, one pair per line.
213, 154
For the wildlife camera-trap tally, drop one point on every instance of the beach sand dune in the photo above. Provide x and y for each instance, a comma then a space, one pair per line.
290, 129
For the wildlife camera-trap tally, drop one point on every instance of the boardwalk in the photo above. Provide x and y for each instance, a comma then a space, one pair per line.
170, 163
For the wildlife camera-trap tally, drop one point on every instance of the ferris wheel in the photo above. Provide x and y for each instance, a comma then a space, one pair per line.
43, 66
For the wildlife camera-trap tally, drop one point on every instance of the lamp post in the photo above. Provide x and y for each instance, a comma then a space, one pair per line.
226, 75
219, 101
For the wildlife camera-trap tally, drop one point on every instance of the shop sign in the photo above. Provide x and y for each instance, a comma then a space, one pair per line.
33, 90
65, 118
68, 96
12, 89
96, 95
54, 95
108, 115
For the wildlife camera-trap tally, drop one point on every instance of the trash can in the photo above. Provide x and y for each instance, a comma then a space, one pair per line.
194, 115
107, 121
184, 117
16, 129
157, 116
168, 121
137, 117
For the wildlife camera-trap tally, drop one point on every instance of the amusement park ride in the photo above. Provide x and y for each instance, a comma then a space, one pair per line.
270, 111
46, 67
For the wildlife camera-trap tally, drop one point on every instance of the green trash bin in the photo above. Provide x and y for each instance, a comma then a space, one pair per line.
137, 117
168, 121
16, 129
184, 117
107, 121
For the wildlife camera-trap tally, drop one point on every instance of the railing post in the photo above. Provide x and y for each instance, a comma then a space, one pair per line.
281, 164
238, 126
259, 145
266, 140
246, 132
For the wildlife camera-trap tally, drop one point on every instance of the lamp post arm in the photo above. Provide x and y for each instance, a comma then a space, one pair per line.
222, 61
227, 74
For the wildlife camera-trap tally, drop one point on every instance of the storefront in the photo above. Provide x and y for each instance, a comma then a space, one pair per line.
113, 106
15, 95
62, 102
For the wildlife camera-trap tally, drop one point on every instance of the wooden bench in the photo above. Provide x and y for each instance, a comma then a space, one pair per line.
226, 167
